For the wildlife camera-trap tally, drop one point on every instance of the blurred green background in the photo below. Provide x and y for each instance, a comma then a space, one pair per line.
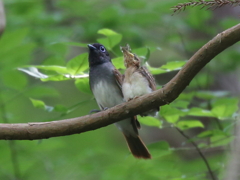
41, 32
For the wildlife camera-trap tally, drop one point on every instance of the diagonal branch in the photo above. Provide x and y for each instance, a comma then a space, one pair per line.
30, 131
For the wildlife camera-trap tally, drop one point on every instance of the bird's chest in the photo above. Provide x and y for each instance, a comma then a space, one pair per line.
135, 84
107, 94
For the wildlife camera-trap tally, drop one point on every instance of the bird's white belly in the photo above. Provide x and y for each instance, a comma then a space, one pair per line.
135, 85
107, 95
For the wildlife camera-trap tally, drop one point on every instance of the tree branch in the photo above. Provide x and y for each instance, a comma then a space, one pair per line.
31, 131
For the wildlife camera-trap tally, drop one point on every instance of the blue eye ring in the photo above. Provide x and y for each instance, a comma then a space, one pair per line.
102, 49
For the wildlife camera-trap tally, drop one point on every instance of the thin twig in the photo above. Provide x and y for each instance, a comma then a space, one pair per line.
199, 152
213, 4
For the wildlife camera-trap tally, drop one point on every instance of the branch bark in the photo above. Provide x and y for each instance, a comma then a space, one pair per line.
31, 131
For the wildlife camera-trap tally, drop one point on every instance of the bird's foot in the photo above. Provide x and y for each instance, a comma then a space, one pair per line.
94, 111
105, 108
132, 98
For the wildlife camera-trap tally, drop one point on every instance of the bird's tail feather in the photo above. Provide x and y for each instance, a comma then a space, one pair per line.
137, 147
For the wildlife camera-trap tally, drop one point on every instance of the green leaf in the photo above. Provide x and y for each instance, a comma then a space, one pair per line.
210, 94
60, 108
32, 71
83, 85
41, 105
59, 77
195, 111
147, 55
225, 107
150, 121
187, 124
155, 71
111, 40
118, 62
180, 104
78, 64
61, 73
170, 66
57, 69
174, 65
38, 103
220, 140
210, 133
186, 96
107, 32
171, 114
142, 52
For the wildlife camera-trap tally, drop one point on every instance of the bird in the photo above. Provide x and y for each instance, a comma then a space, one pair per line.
138, 80
106, 85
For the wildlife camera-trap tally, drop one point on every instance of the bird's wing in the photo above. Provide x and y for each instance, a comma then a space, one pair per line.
143, 70
119, 79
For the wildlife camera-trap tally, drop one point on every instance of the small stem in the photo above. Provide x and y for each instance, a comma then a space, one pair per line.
199, 152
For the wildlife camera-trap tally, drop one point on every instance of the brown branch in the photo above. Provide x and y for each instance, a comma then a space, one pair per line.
30, 131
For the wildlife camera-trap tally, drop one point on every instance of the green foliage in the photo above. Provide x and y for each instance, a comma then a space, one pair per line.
225, 107
150, 121
41, 105
44, 59
112, 38
189, 124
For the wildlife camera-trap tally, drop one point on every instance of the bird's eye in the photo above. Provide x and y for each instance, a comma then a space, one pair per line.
102, 49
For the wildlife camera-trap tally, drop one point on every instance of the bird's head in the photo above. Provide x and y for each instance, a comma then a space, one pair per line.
98, 54
130, 59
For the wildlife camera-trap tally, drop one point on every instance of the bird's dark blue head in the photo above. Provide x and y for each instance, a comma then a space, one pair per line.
97, 54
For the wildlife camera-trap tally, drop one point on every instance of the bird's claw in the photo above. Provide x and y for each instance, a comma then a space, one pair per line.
94, 111
105, 108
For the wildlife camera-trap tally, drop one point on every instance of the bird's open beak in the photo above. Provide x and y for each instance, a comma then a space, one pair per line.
91, 47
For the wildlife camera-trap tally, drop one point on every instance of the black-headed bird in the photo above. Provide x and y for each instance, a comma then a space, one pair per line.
138, 80
106, 84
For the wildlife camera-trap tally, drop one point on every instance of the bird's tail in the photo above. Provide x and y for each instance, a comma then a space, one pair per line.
137, 147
